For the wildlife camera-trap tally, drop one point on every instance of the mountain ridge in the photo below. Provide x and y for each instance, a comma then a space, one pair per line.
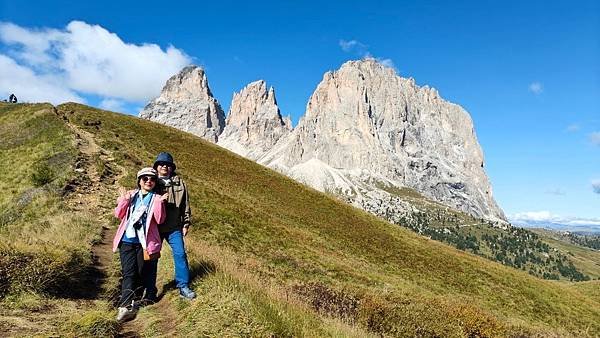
365, 128
363, 117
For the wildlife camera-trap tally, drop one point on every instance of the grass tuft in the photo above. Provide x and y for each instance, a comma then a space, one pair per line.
42, 174
97, 323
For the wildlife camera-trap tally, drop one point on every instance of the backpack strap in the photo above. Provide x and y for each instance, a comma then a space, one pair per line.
131, 199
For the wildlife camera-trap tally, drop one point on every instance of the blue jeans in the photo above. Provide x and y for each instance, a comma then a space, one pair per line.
182, 270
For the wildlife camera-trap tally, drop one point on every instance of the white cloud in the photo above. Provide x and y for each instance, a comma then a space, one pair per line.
596, 186
557, 192
88, 59
546, 216
536, 88
31, 87
353, 45
387, 62
534, 216
362, 50
595, 138
112, 105
548, 220
31, 44
573, 127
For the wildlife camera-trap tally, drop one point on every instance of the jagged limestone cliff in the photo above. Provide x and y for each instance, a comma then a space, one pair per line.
365, 133
254, 123
366, 129
186, 103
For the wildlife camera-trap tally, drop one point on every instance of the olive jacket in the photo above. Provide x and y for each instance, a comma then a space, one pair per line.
179, 214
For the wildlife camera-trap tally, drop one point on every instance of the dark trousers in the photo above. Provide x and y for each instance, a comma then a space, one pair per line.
138, 275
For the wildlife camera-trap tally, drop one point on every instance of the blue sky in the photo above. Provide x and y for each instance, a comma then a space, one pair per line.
528, 72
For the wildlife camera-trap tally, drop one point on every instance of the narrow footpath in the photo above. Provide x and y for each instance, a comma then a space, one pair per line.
94, 192
97, 180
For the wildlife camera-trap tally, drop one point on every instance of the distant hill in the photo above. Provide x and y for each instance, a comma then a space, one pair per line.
269, 256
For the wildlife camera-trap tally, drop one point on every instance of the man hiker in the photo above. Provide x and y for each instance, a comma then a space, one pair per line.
177, 221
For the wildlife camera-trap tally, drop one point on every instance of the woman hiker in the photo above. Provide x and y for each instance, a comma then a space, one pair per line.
138, 241
177, 222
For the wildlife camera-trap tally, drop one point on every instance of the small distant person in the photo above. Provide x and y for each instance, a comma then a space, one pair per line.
178, 219
138, 241
12, 98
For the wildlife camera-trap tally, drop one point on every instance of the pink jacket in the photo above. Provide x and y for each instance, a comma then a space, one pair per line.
156, 215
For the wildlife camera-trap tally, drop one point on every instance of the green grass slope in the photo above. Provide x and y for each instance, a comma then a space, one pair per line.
586, 258
45, 246
271, 257
516, 247
35, 159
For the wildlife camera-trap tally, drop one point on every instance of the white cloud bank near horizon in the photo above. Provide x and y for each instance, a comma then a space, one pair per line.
546, 219
32, 87
59, 65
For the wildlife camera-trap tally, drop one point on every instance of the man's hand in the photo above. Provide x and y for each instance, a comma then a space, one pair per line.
164, 196
124, 193
185, 231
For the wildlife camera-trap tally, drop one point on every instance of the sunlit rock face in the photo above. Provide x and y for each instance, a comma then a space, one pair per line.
366, 133
186, 103
254, 123
367, 130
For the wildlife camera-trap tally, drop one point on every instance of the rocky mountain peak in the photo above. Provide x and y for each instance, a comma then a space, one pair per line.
271, 96
364, 123
189, 83
254, 123
367, 65
366, 132
187, 103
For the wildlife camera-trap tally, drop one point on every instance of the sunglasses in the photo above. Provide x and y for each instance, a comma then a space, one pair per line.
163, 164
148, 178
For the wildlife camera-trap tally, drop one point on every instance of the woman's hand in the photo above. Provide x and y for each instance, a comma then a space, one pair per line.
124, 193
164, 196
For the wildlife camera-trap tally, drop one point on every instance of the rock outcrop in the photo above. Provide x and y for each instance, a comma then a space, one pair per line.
367, 130
186, 103
254, 123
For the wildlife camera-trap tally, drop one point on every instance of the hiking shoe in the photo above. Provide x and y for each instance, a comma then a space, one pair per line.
187, 293
124, 314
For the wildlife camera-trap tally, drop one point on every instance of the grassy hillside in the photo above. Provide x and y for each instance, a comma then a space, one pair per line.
512, 246
586, 258
271, 257
46, 237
